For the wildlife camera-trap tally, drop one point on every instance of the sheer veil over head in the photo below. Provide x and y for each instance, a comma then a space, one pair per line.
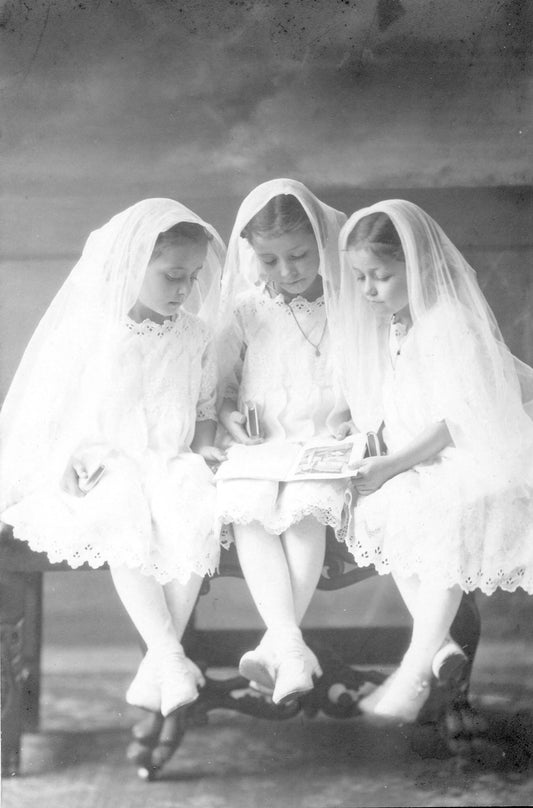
243, 272
467, 373
65, 371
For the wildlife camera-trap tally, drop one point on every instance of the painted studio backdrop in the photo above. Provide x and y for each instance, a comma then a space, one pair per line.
105, 102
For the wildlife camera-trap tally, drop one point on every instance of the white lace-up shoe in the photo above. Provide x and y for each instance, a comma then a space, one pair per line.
176, 680
145, 691
400, 698
297, 665
259, 666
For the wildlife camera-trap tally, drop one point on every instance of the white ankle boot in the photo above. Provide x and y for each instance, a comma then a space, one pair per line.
297, 665
283, 666
259, 665
400, 697
145, 691
176, 681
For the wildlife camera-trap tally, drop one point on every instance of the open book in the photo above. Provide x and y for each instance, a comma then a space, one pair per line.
319, 459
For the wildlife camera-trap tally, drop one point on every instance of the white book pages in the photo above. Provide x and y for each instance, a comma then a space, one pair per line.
319, 459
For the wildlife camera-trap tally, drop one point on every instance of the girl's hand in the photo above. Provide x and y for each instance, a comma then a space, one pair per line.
345, 429
211, 454
234, 423
371, 473
70, 481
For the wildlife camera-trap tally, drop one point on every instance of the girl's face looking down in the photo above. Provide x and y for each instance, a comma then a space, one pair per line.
382, 280
289, 261
170, 275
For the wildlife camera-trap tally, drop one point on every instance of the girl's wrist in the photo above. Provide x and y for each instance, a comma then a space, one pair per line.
225, 418
396, 464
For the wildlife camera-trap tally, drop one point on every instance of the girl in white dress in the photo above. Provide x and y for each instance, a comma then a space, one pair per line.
275, 351
108, 427
450, 507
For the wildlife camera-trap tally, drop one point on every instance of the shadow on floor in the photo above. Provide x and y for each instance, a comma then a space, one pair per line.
234, 761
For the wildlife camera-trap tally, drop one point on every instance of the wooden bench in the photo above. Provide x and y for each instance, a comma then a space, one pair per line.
21, 574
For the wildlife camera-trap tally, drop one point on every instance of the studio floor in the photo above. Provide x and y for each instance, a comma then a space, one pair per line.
77, 760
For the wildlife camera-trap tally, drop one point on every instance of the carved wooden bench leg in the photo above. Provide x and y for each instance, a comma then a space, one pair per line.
31, 651
12, 606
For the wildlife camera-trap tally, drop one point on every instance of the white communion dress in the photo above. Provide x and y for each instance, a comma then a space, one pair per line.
153, 508
463, 517
290, 380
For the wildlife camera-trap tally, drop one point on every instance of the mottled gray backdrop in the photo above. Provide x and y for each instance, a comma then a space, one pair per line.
105, 102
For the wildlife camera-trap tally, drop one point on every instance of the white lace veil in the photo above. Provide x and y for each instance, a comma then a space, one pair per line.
65, 370
485, 388
243, 270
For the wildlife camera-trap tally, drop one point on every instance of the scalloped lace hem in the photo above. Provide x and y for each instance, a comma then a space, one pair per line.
163, 573
276, 526
486, 582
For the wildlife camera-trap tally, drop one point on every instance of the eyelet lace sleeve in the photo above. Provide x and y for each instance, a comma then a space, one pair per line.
232, 348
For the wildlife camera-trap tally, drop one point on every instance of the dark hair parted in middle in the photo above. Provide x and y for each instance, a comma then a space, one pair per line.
191, 231
377, 233
282, 214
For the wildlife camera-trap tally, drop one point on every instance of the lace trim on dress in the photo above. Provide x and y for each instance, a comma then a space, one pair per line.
150, 327
299, 304
467, 580
325, 516
333, 514
183, 322
496, 552
91, 555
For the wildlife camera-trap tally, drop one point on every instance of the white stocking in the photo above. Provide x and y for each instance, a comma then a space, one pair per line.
265, 569
408, 589
145, 603
181, 600
304, 544
434, 613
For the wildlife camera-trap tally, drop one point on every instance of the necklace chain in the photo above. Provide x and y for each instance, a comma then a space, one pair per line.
317, 345
272, 289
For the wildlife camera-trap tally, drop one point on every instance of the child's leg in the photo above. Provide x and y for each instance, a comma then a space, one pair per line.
450, 659
282, 576
433, 609
265, 569
266, 573
145, 603
408, 589
165, 680
304, 544
181, 600
433, 615
282, 656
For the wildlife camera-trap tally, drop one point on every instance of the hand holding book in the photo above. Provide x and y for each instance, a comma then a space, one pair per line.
323, 458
